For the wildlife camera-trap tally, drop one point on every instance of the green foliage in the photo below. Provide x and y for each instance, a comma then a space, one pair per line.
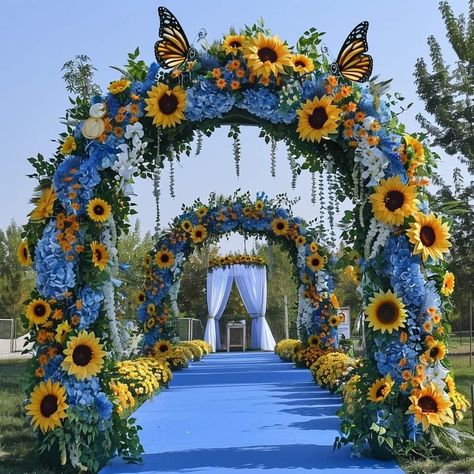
135, 69
308, 44
79, 75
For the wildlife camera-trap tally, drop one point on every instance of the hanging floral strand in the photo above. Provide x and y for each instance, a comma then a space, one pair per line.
172, 194
313, 188
235, 134
322, 201
199, 143
156, 184
273, 147
331, 206
294, 173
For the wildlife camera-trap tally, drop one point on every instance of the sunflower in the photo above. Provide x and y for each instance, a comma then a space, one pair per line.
202, 211
317, 119
198, 234
151, 309
69, 145
162, 348
300, 240
280, 226
140, 297
385, 312
38, 311
392, 201
117, 87
62, 331
313, 247
266, 55
259, 205
430, 406
44, 205
166, 105
314, 340
164, 258
315, 261
448, 284
47, 406
417, 147
334, 301
380, 389
84, 355
23, 254
98, 210
150, 323
232, 44
436, 350
100, 255
334, 321
301, 64
429, 235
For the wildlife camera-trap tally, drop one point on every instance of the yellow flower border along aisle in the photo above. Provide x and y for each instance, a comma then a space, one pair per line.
150, 116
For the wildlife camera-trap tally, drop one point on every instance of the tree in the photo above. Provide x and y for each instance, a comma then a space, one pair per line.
447, 91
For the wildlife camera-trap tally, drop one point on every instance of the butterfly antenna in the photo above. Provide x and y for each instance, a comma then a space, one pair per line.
202, 34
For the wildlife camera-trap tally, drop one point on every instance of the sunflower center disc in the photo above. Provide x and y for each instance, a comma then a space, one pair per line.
434, 352
25, 253
387, 313
49, 405
198, 234
235, 44
168, 104
165, 258
394, 200
267, 54
315, 262
379, 392
428, 405
40, 310
82, 355
163, 348
427, 236
300, 63
98, 210
318, 118
98, 255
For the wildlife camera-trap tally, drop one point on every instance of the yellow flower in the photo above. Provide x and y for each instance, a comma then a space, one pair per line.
429, 235
313, 247
44, 206
430, 407
317, 119
266, 55
315, 261
419, 152
166, 105
23, 254
448, 284
300, 240
202, 211
436, 350
314, 340
380, 389
38, 311
280, 226
140, 297
117, 87
392, 201
164, 258
69, 145
47, 406
98, 210
334, 321
100, 255
198, 234
385, 312
162, 348
301, 64
232, 44
62, 331
186, 225
84, 356
334, 301
259, 205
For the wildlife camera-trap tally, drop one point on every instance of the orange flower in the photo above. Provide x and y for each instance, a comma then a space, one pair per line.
360, 116
221, 83
216, 73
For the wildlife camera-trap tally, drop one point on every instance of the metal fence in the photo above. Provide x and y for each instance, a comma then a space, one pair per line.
7, 335
189, 329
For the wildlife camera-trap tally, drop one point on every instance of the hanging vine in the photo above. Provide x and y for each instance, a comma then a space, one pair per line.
273, 147
172, 193
313, 188
235, 134
156, 183
199, 143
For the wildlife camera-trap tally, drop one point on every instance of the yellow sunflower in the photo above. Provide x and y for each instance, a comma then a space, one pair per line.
117, 87
23, 254
100, 255
38, 311
448, 284
280, 226
334, 301
69, 145
98, 210
380, 389
334, 321
166, 105
431, 406
232, 44
313, 247
266, 55
259, 205
418, 150
84, 356
429, 235
140, 297
300, 240
301, 64
164, 258
314, 340
198, 234
47, 406
150, 323
317, 119
44, 206
392, 201
385, 312
162, 348
186, 225
202, 211
436, 350
315, 261
151, 309
62, 331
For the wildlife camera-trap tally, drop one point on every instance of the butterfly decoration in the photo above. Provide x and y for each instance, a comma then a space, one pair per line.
173, 49
351, 61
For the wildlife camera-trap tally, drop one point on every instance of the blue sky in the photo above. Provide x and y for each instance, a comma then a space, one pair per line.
37, 38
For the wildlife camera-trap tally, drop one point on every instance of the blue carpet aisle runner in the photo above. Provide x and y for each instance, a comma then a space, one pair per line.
243, 412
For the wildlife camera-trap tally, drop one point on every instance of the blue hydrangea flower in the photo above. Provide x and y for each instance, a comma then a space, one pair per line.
206, 101
388, 357
52, 369
89, 312
313, 88
260, 102
389, 144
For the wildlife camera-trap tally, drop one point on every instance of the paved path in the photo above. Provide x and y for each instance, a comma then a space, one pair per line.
243, 412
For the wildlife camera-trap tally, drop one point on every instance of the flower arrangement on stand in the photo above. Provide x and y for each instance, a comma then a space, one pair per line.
236, 260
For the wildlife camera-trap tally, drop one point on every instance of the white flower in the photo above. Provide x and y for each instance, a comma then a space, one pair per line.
436, 374
97, 110
135, 129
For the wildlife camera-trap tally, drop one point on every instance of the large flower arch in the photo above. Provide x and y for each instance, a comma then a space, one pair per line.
150, 116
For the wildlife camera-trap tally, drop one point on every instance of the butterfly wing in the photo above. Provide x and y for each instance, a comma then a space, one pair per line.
352, 63
173, 49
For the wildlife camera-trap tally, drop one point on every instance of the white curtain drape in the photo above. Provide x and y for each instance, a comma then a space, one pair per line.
219, 284
252, 284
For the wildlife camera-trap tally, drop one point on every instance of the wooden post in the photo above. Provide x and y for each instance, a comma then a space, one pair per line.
287, 329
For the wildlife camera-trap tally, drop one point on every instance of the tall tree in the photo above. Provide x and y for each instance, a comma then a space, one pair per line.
447, 91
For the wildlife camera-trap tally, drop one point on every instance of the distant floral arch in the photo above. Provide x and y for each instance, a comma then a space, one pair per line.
150, 116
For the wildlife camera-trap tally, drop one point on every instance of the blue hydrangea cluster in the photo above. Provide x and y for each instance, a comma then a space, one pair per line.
206, 101
89, 311
388, 357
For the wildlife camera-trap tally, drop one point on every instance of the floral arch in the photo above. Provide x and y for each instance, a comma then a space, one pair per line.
150, 116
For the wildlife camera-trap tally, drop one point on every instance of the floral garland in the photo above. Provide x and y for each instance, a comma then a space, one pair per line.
230, 260
149, 116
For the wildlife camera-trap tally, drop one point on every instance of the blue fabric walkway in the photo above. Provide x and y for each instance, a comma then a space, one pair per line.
242, 412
